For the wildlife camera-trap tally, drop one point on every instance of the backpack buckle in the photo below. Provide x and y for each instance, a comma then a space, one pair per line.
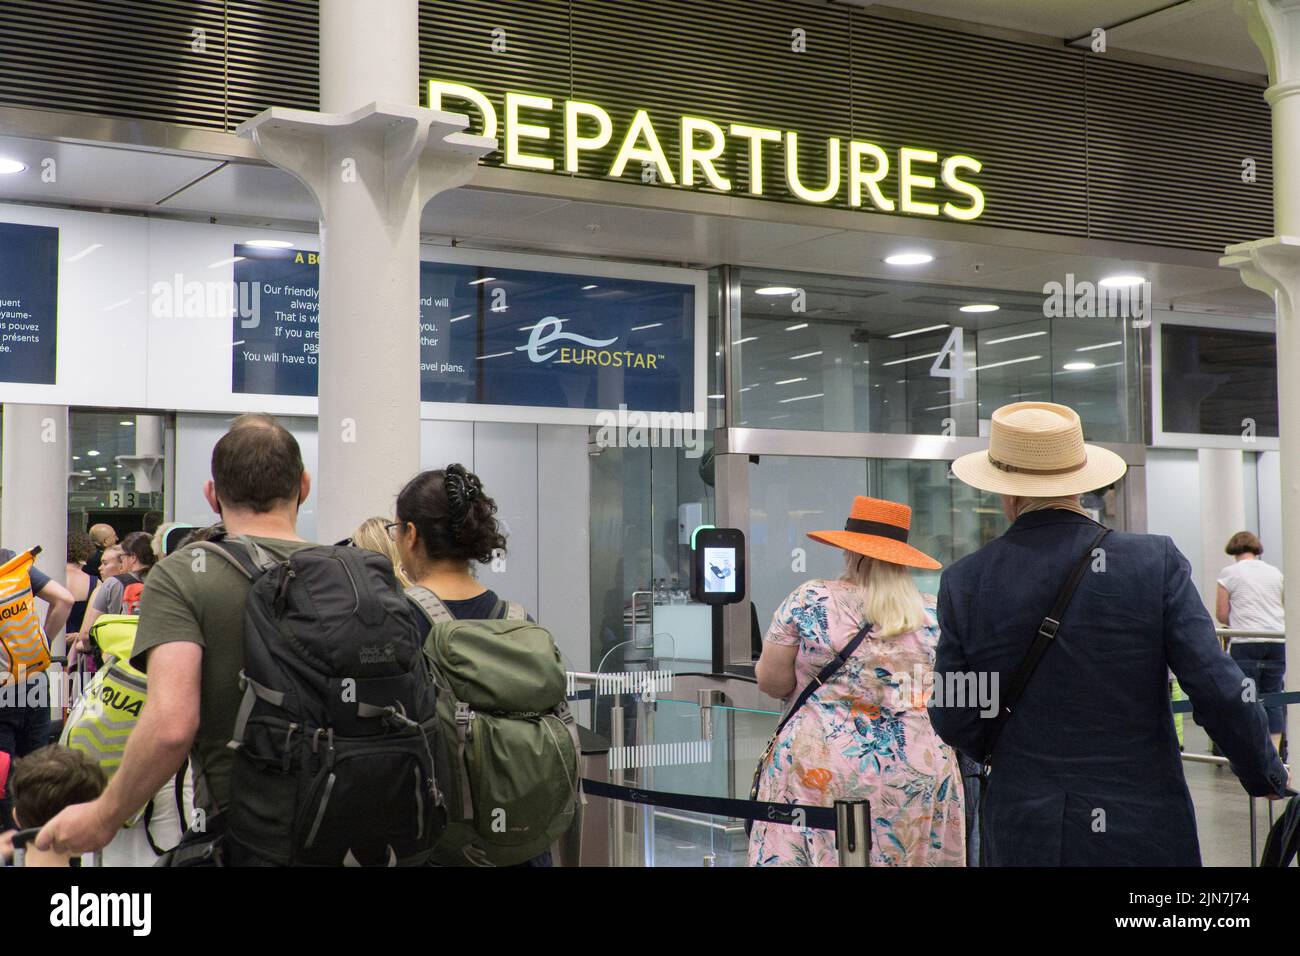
1049, 627
463, 714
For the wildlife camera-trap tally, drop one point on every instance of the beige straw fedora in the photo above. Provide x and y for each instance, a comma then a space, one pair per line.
1036, 450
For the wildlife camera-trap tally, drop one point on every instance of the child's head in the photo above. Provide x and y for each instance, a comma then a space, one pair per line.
49, 779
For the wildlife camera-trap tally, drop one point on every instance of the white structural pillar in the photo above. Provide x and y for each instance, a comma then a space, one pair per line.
373, 158
1273, 266
34, 498
147, 463
1223, 513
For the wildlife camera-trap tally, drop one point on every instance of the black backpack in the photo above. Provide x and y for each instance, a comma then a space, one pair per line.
337, 733
1283, 842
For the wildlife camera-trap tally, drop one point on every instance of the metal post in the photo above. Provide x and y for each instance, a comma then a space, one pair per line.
1254, 855
708, 699
853, 832
617, 822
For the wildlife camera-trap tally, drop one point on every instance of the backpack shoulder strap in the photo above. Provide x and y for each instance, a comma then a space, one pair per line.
246, 556
509, 611
430, 605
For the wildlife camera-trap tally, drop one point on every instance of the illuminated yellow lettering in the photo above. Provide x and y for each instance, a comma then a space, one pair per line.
859, 177
757, 135
692, 154
574, 141
950, 166
564, 354
297, 258
908, 180
516, 129
438, 89
832, 186
651, 360
604, 358
652, 152
588, 356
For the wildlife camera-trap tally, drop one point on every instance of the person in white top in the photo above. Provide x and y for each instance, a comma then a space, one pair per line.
1250, 598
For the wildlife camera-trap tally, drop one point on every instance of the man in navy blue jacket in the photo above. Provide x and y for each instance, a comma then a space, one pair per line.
1086, 771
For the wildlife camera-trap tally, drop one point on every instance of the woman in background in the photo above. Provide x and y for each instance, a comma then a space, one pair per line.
1249, 598
373, 536
865, 733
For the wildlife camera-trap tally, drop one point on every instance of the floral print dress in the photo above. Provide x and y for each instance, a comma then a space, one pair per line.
864, 735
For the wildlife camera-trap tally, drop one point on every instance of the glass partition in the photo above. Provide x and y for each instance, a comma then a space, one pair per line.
831, 353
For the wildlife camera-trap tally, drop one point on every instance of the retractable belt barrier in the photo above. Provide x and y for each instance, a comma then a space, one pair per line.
1268, 700
791, 814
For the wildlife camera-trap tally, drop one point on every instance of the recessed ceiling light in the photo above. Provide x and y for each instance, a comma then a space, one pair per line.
586, 287
269, 244
1014, 338
928, 328
92, 453
1014, 361
482, 280
126, 424
1121, 281
8, 166
1079, 366
651, 325
796, 328
908, 259
790, 381
776, 290
748, 338
459, 317
101, 468
1102, 345
979, 308
806, 355
76, 458
717, 398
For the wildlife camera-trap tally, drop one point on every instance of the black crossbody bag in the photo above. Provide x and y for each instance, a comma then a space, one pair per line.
823, 677
1046, 636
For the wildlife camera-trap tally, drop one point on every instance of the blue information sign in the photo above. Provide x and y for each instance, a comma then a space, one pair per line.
490, 336
29, 294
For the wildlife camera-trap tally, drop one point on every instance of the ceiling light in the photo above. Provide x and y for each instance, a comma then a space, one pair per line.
493, 355
1079, 366
101, 468
8, 166
776, 290
717, 398
748, 338
806, 355
85, 252
586, 287
269, 244
913, 358
1121, 281
979, 308
459, 317
790, 381
1014, 338
126, 424
482, 280
76, 458
928, 328
1027, 358
908, 259
92, 453
800, 398
796, 328
1103, 345
639, 328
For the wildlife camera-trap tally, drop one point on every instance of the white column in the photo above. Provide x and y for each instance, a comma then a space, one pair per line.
372, 158
147, 463
1223, 513
1273, 266
34, 503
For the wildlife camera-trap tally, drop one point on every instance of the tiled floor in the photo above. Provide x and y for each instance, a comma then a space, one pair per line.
1222, 817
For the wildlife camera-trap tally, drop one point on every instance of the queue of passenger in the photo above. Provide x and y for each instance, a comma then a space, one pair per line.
1043, 662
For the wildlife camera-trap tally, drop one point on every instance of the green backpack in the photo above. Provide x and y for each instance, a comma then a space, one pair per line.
513, 775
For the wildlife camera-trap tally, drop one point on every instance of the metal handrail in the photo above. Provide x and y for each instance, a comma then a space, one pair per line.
1246, 632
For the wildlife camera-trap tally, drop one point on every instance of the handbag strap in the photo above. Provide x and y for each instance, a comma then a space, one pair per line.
1046, 635
824, 675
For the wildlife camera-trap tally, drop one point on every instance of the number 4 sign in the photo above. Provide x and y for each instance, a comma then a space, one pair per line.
956, 370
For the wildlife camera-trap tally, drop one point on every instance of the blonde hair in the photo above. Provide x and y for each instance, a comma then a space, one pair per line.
373, 536
890, 599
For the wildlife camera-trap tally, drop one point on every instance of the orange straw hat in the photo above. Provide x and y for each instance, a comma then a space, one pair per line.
878, 529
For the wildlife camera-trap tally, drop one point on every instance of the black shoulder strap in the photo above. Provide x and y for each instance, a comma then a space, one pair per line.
1042, 641
824, 676
245, 554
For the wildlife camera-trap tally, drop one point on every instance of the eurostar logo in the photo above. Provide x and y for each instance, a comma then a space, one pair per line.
550, 330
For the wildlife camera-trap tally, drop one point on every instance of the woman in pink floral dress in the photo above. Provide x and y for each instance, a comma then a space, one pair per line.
865, 734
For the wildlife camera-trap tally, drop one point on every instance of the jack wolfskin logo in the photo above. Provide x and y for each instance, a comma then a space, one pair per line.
378, 653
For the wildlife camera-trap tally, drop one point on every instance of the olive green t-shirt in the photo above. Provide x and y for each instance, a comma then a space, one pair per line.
196, 596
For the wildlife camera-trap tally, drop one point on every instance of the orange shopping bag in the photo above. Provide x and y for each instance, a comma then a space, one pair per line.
23, 652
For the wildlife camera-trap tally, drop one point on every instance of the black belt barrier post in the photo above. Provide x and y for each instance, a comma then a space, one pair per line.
853, 832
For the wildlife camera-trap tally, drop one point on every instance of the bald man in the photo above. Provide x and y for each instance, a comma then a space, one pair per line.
104, 537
